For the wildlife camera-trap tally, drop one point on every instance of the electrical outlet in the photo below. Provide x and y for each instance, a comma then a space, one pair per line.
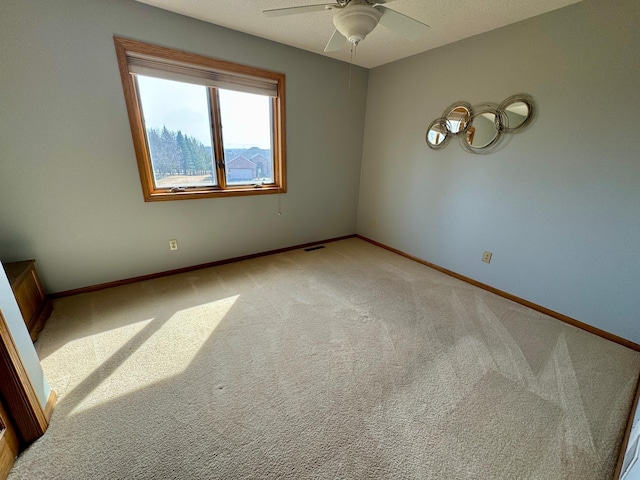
173, 244
486, 257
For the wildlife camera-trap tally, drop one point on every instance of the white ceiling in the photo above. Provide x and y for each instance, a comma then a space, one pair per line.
450, 21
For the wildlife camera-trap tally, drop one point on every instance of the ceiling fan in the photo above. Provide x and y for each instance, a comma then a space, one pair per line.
355, 19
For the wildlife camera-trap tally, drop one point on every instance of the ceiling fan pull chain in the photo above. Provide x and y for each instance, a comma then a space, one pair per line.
350, 66
354, 45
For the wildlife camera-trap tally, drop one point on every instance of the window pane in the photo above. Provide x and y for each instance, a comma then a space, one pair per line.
246, 134
178, 130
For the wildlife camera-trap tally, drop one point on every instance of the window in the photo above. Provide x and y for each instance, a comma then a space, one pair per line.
202, 127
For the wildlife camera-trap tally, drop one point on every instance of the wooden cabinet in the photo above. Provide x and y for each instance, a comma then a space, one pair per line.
33, 303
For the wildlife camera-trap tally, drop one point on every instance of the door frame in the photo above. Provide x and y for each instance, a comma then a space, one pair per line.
20, 399
9, 442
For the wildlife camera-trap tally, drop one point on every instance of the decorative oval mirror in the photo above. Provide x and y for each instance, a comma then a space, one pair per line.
516, 112
437, 134
483, 131
457, 116
480, 128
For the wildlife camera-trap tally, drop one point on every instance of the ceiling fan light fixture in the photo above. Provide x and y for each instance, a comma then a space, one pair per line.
355, 22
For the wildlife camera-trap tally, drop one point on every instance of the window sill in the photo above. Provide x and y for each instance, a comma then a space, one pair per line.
191, 194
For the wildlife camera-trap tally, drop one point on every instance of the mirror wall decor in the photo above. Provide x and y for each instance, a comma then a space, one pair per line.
481, 127
457, 116
516, 112
438, 134
483, 130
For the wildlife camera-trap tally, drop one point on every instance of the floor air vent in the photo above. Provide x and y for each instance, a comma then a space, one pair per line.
311, 249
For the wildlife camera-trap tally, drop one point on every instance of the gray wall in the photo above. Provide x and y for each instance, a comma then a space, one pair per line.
70, 194
559, 204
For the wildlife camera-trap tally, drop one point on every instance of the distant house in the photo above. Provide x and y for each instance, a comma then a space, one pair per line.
263, 166
240, 169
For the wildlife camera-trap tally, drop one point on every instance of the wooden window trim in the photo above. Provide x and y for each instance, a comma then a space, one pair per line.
143, 157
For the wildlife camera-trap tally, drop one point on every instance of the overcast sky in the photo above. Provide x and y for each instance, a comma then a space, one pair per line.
245, 117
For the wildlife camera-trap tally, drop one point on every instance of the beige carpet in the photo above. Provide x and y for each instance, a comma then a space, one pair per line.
343, 362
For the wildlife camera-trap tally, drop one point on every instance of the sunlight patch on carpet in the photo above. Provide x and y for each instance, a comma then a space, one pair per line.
180, 339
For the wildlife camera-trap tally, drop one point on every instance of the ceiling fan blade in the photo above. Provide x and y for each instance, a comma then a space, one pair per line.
279, 12
408, 27
336, 42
